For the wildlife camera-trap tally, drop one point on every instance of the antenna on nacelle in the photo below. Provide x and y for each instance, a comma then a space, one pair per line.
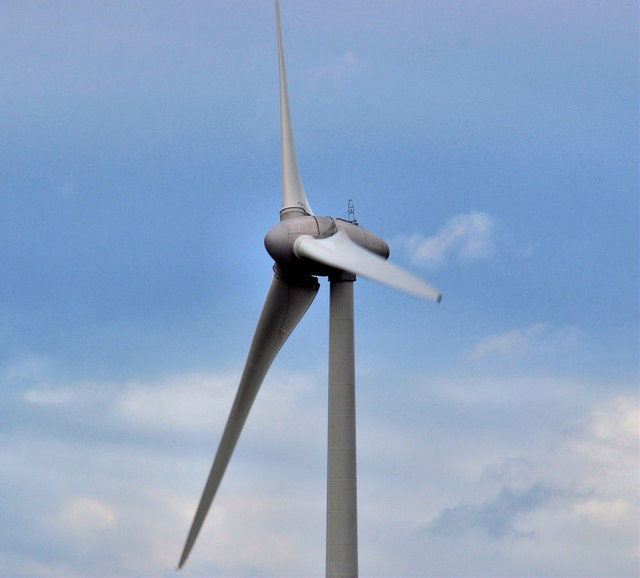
351, 213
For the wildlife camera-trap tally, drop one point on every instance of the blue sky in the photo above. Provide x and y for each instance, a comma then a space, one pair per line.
494, 145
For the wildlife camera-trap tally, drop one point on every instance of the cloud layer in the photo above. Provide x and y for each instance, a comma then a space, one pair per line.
117, 496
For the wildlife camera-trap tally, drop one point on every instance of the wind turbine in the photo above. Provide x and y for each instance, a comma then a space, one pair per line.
304, 246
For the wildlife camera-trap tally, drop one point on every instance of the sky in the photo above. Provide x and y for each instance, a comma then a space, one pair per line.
493, 144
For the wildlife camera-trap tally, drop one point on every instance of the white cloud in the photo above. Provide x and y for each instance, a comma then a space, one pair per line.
536, 340
186, 402
49, 396
83, 517
29, 369
604, 511
67, 189
468, 237
199, 403
286, 531
347, 66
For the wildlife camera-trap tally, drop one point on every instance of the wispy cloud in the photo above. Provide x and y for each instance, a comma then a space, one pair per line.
467, 237
536, 340
498, 516
66, 189
48, 396
347, 66
31, 369
186, 402
87, 521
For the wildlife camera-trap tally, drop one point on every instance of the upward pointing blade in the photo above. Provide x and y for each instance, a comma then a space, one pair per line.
293, 195
285, 305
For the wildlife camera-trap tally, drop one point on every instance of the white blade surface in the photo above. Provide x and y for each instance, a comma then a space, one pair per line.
340, 252
284, 306
293, 195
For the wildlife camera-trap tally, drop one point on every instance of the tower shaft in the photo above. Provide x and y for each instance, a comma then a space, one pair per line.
342, 511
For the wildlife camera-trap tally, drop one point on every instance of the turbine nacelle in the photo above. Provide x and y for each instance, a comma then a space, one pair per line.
283, 240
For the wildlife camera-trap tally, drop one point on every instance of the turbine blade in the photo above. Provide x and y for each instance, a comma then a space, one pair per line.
285, 305
340, 252
293, 196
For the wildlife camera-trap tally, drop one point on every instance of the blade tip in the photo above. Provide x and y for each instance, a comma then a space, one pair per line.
183, 559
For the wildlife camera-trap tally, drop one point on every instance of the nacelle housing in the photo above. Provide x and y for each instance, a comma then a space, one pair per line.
280, 239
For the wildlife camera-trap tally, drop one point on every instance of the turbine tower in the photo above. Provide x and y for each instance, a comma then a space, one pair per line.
304, 247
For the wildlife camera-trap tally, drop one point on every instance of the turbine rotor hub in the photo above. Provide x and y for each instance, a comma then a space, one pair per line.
280, 240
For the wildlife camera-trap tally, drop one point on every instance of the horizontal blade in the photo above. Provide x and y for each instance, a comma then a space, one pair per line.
340, 252
285, 305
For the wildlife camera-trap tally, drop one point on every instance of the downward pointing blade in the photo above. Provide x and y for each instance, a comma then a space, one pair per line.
293, 195
285, 305
340, 252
